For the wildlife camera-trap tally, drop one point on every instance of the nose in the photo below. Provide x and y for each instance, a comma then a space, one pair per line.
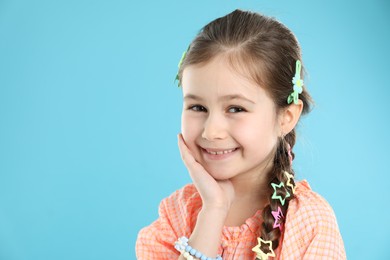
214, 128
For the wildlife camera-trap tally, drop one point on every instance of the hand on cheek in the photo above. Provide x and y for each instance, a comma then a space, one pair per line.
215, 194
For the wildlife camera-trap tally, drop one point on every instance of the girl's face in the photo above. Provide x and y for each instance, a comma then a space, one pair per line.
228, 122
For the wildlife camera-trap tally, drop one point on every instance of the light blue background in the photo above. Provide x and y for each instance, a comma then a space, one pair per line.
89, 115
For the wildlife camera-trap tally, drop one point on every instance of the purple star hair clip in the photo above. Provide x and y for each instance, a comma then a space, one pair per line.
278, 216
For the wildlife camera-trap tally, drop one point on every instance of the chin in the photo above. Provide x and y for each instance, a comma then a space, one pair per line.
219, 175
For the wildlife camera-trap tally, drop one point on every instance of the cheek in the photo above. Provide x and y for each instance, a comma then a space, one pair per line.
190, 128
256, 133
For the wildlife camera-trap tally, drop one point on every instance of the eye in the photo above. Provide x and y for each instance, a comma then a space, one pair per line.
197, 108
236, 109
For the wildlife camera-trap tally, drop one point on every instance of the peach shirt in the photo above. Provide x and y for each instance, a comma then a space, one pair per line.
310, 231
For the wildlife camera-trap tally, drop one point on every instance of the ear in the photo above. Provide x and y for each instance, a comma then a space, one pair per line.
289, 117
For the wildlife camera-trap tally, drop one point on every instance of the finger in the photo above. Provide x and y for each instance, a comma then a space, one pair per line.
186, 153
196, 170
208, 187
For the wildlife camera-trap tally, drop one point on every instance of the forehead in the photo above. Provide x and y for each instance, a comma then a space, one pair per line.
217, 78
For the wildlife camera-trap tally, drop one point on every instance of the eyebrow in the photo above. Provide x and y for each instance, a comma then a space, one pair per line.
226, 97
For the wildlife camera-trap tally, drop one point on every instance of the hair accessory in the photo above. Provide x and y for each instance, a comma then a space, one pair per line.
190, 253
298, 83
278, 215
260, 253
289, 183
179, 65
275, 196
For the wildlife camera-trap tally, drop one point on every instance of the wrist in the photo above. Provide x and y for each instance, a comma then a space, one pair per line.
215, 211
189, 252
206, 236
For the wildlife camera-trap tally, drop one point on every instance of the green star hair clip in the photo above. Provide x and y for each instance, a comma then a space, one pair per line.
275, 194
179, 65
298, 83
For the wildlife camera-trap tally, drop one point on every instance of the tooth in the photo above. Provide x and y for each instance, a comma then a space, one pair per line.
220, 152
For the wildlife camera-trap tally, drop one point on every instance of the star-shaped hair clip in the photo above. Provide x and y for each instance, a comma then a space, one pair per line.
275, 194
278, 216
260, 253
298, 83
289, 183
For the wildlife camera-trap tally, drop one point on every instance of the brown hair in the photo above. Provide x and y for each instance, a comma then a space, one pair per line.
266, 51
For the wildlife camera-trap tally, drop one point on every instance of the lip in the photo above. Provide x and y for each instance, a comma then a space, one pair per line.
215, 157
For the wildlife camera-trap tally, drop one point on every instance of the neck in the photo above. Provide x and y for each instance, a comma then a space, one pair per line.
252, 193
250, 187
254, 184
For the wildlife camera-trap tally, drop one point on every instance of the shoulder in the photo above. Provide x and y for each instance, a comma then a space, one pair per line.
182, 201
311, 227
181, 208
177, 214
309, 207
185, 194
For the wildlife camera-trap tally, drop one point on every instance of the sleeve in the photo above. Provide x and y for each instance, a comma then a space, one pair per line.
156, 241
326, 241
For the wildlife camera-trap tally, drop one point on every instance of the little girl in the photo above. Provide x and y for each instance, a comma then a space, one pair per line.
243, 95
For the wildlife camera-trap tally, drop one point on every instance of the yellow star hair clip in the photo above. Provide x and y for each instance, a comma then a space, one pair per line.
260, 253
289, 183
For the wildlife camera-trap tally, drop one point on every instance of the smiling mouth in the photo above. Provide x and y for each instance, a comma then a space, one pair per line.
220, 151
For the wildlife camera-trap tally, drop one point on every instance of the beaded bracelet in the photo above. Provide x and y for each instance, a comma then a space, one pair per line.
190, 253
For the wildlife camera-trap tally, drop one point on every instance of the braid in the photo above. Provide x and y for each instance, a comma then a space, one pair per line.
277, 175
